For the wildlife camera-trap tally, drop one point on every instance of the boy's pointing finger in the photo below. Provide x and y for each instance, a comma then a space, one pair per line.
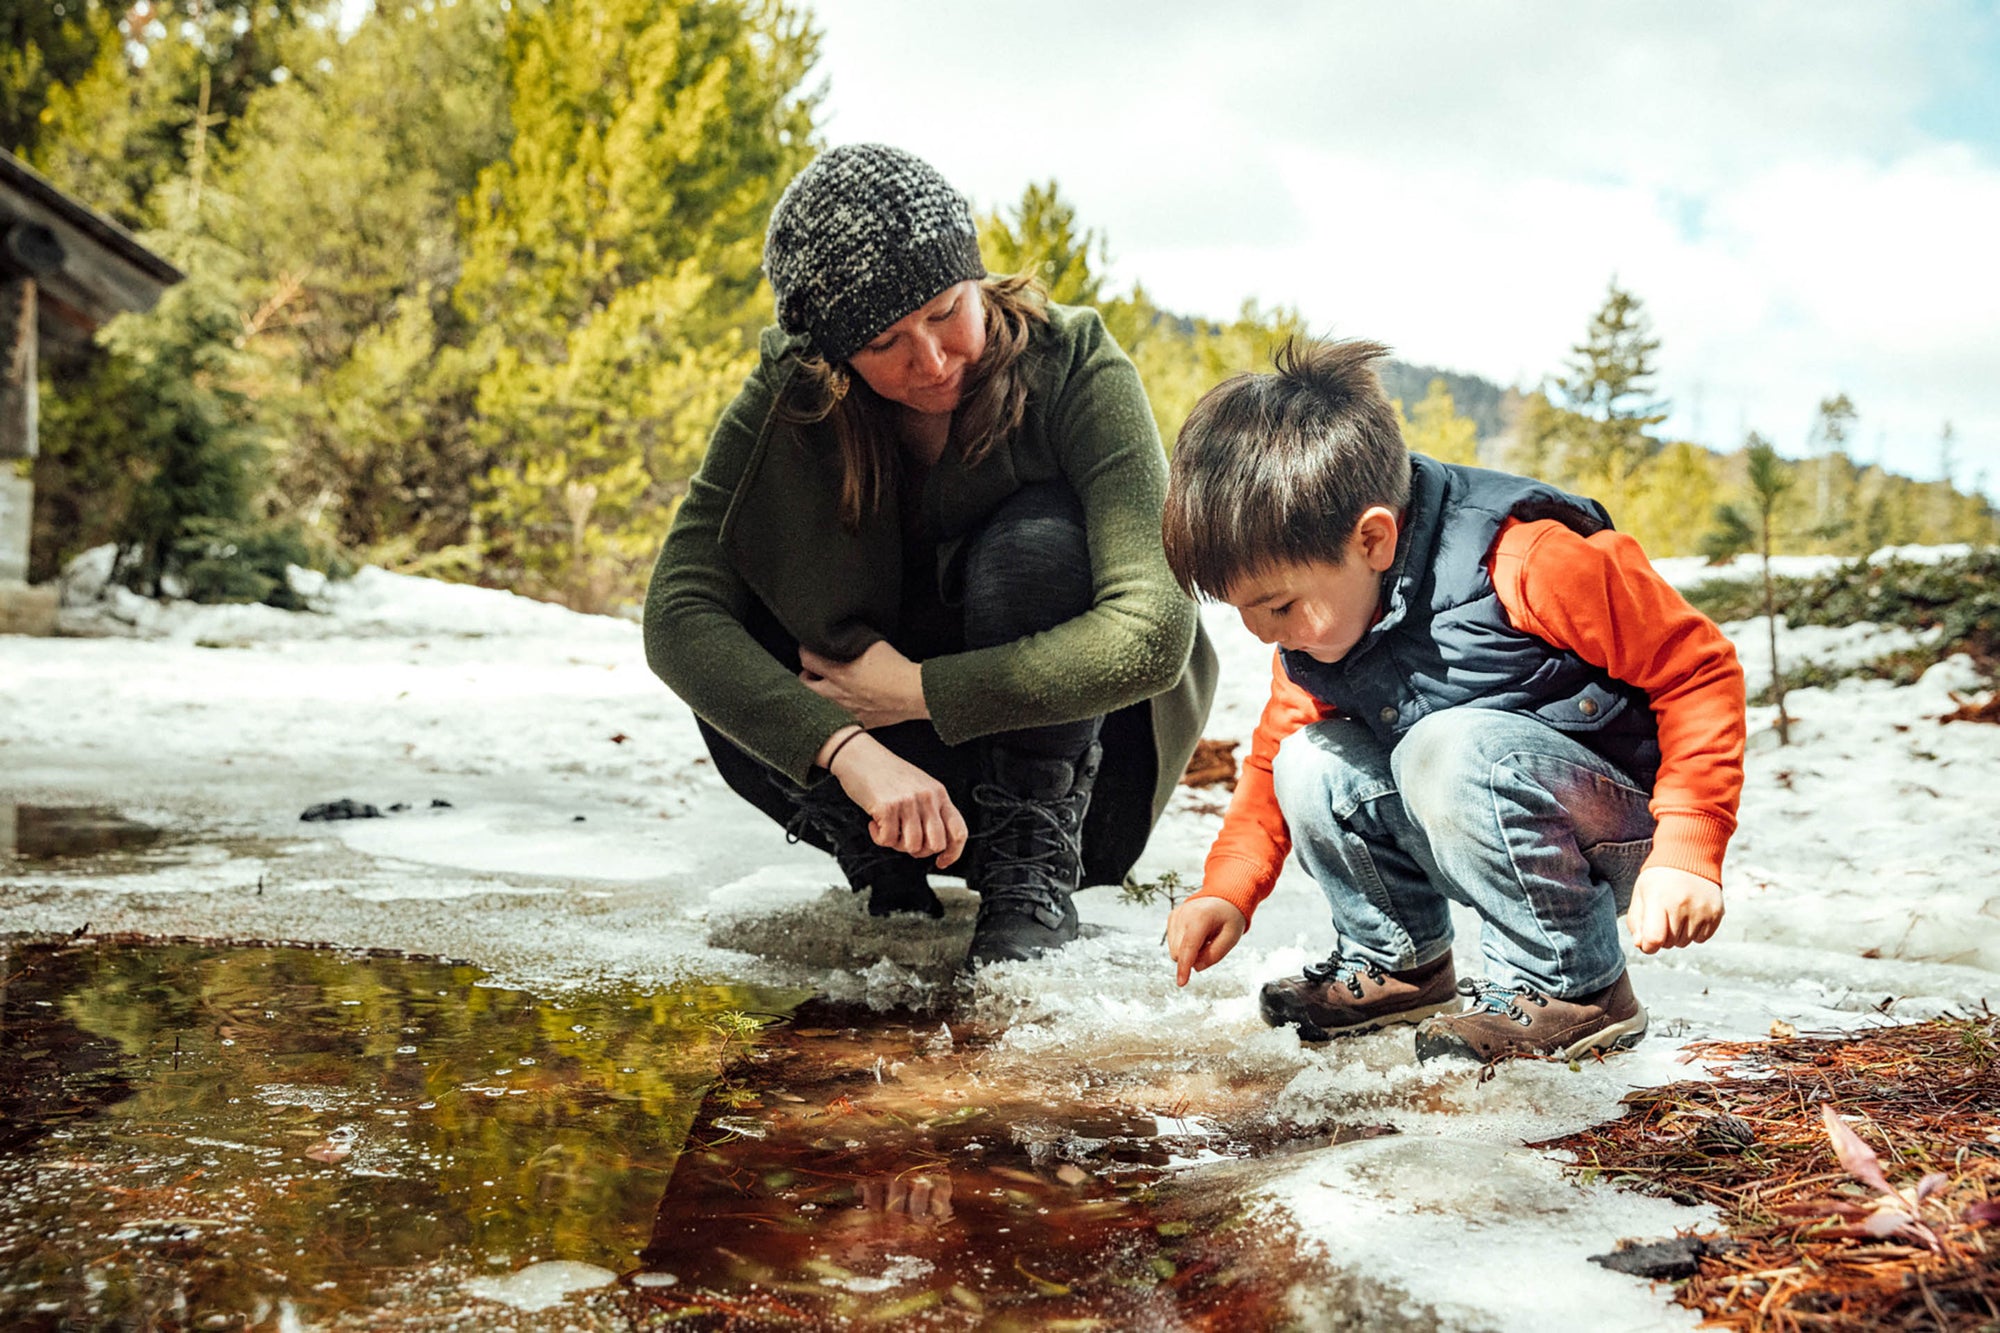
1181, 948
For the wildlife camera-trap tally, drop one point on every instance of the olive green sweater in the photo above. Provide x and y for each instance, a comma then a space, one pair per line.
760, 521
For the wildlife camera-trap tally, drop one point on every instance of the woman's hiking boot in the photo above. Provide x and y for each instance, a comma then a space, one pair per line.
1342, 997
827, 818
1508, 1021
1030, 851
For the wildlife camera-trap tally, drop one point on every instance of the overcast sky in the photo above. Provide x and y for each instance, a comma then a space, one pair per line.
1806, 196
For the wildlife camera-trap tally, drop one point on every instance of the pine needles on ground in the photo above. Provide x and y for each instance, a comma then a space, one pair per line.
1811, 1243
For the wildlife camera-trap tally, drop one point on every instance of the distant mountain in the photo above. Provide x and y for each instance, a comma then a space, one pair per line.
1474, 397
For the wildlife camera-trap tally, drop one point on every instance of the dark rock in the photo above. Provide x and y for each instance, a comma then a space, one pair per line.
576, 819
398, 808
343, 808
439, 803
1661, 1260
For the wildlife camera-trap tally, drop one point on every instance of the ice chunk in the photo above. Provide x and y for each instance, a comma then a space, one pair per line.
538, 1286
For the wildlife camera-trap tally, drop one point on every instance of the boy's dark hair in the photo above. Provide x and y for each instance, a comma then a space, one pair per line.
1278, 468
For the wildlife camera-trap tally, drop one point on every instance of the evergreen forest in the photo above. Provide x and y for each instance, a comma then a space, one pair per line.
468, 284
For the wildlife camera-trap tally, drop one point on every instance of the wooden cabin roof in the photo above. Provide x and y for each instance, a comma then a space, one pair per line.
104, 270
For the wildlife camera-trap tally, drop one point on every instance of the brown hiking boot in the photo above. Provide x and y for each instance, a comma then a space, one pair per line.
1342, 997
1501, 1022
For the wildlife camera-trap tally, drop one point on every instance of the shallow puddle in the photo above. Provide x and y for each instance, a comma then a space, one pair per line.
204, 1136
52, 833
854, 1170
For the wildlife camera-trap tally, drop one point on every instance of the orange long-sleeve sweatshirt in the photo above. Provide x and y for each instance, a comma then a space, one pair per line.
1600, 598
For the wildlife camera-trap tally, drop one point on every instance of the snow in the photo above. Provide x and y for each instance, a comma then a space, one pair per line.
1685, 571
1862, 883
1833, 646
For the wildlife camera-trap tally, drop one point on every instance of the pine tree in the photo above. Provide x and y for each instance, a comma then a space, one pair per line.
1944, 504
1831, 431
613, 270
1768, 483
1769, 479
346, 180
158, 439
1042, 238
1437, 430
1609, 377
1607, 389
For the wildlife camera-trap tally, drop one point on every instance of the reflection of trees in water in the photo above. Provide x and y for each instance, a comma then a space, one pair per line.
880, 1171
55, 1072
40, 833
363, 1118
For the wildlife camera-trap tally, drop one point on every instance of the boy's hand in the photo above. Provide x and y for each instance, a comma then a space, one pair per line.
1200, 934
1671, 908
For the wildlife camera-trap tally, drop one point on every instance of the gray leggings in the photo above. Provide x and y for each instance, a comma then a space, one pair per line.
1026, 571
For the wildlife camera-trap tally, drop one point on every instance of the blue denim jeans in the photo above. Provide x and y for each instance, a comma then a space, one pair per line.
1534, 832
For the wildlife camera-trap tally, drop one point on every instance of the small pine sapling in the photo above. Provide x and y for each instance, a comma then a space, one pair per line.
1143, 893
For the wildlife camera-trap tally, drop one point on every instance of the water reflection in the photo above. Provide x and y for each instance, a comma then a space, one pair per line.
197, 1136
47, 833
220, 1130
883, 1170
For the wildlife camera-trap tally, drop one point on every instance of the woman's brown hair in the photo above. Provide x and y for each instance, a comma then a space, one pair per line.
864, 423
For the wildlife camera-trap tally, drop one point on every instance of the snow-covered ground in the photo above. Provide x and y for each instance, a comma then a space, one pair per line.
588, 839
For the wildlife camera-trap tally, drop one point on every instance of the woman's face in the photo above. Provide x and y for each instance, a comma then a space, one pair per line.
922, 360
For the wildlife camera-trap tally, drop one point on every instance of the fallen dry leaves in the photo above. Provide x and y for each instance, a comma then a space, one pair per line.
1213, 765
1858, 1176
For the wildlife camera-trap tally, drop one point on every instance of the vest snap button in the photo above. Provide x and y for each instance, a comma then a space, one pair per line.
1588, 707
1388, 715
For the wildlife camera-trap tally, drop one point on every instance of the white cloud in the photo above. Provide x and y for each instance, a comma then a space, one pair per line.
1462, 179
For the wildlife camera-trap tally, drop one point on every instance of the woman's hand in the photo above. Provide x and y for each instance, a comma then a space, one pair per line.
879, 687
1671, 908
908, 809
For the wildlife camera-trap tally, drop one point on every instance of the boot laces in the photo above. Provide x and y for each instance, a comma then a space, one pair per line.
824, 808
1020, 870
1506, 1001
1345, 972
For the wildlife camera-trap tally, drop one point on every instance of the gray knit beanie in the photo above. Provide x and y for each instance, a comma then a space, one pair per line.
860, 238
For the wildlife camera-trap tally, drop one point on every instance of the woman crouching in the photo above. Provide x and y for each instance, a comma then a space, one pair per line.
916, 596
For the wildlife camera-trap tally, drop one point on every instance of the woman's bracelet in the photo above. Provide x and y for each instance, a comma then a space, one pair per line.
840, 745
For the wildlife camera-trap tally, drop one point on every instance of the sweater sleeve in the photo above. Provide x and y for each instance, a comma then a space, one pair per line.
1249, 852
1134, 641
697, 604
1601, 598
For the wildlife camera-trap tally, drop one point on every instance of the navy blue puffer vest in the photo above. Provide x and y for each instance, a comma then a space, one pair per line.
1444, 641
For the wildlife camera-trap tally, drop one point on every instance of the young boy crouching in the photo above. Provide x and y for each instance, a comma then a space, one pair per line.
1481, 694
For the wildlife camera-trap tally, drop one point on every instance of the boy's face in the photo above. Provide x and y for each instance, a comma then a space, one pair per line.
1316, 608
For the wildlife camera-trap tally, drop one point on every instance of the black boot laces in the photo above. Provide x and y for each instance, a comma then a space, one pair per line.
1028, 848
824, 808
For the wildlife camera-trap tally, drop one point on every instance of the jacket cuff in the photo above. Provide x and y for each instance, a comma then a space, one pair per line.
1685, 840
1238, 881
798, 745
958, 708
